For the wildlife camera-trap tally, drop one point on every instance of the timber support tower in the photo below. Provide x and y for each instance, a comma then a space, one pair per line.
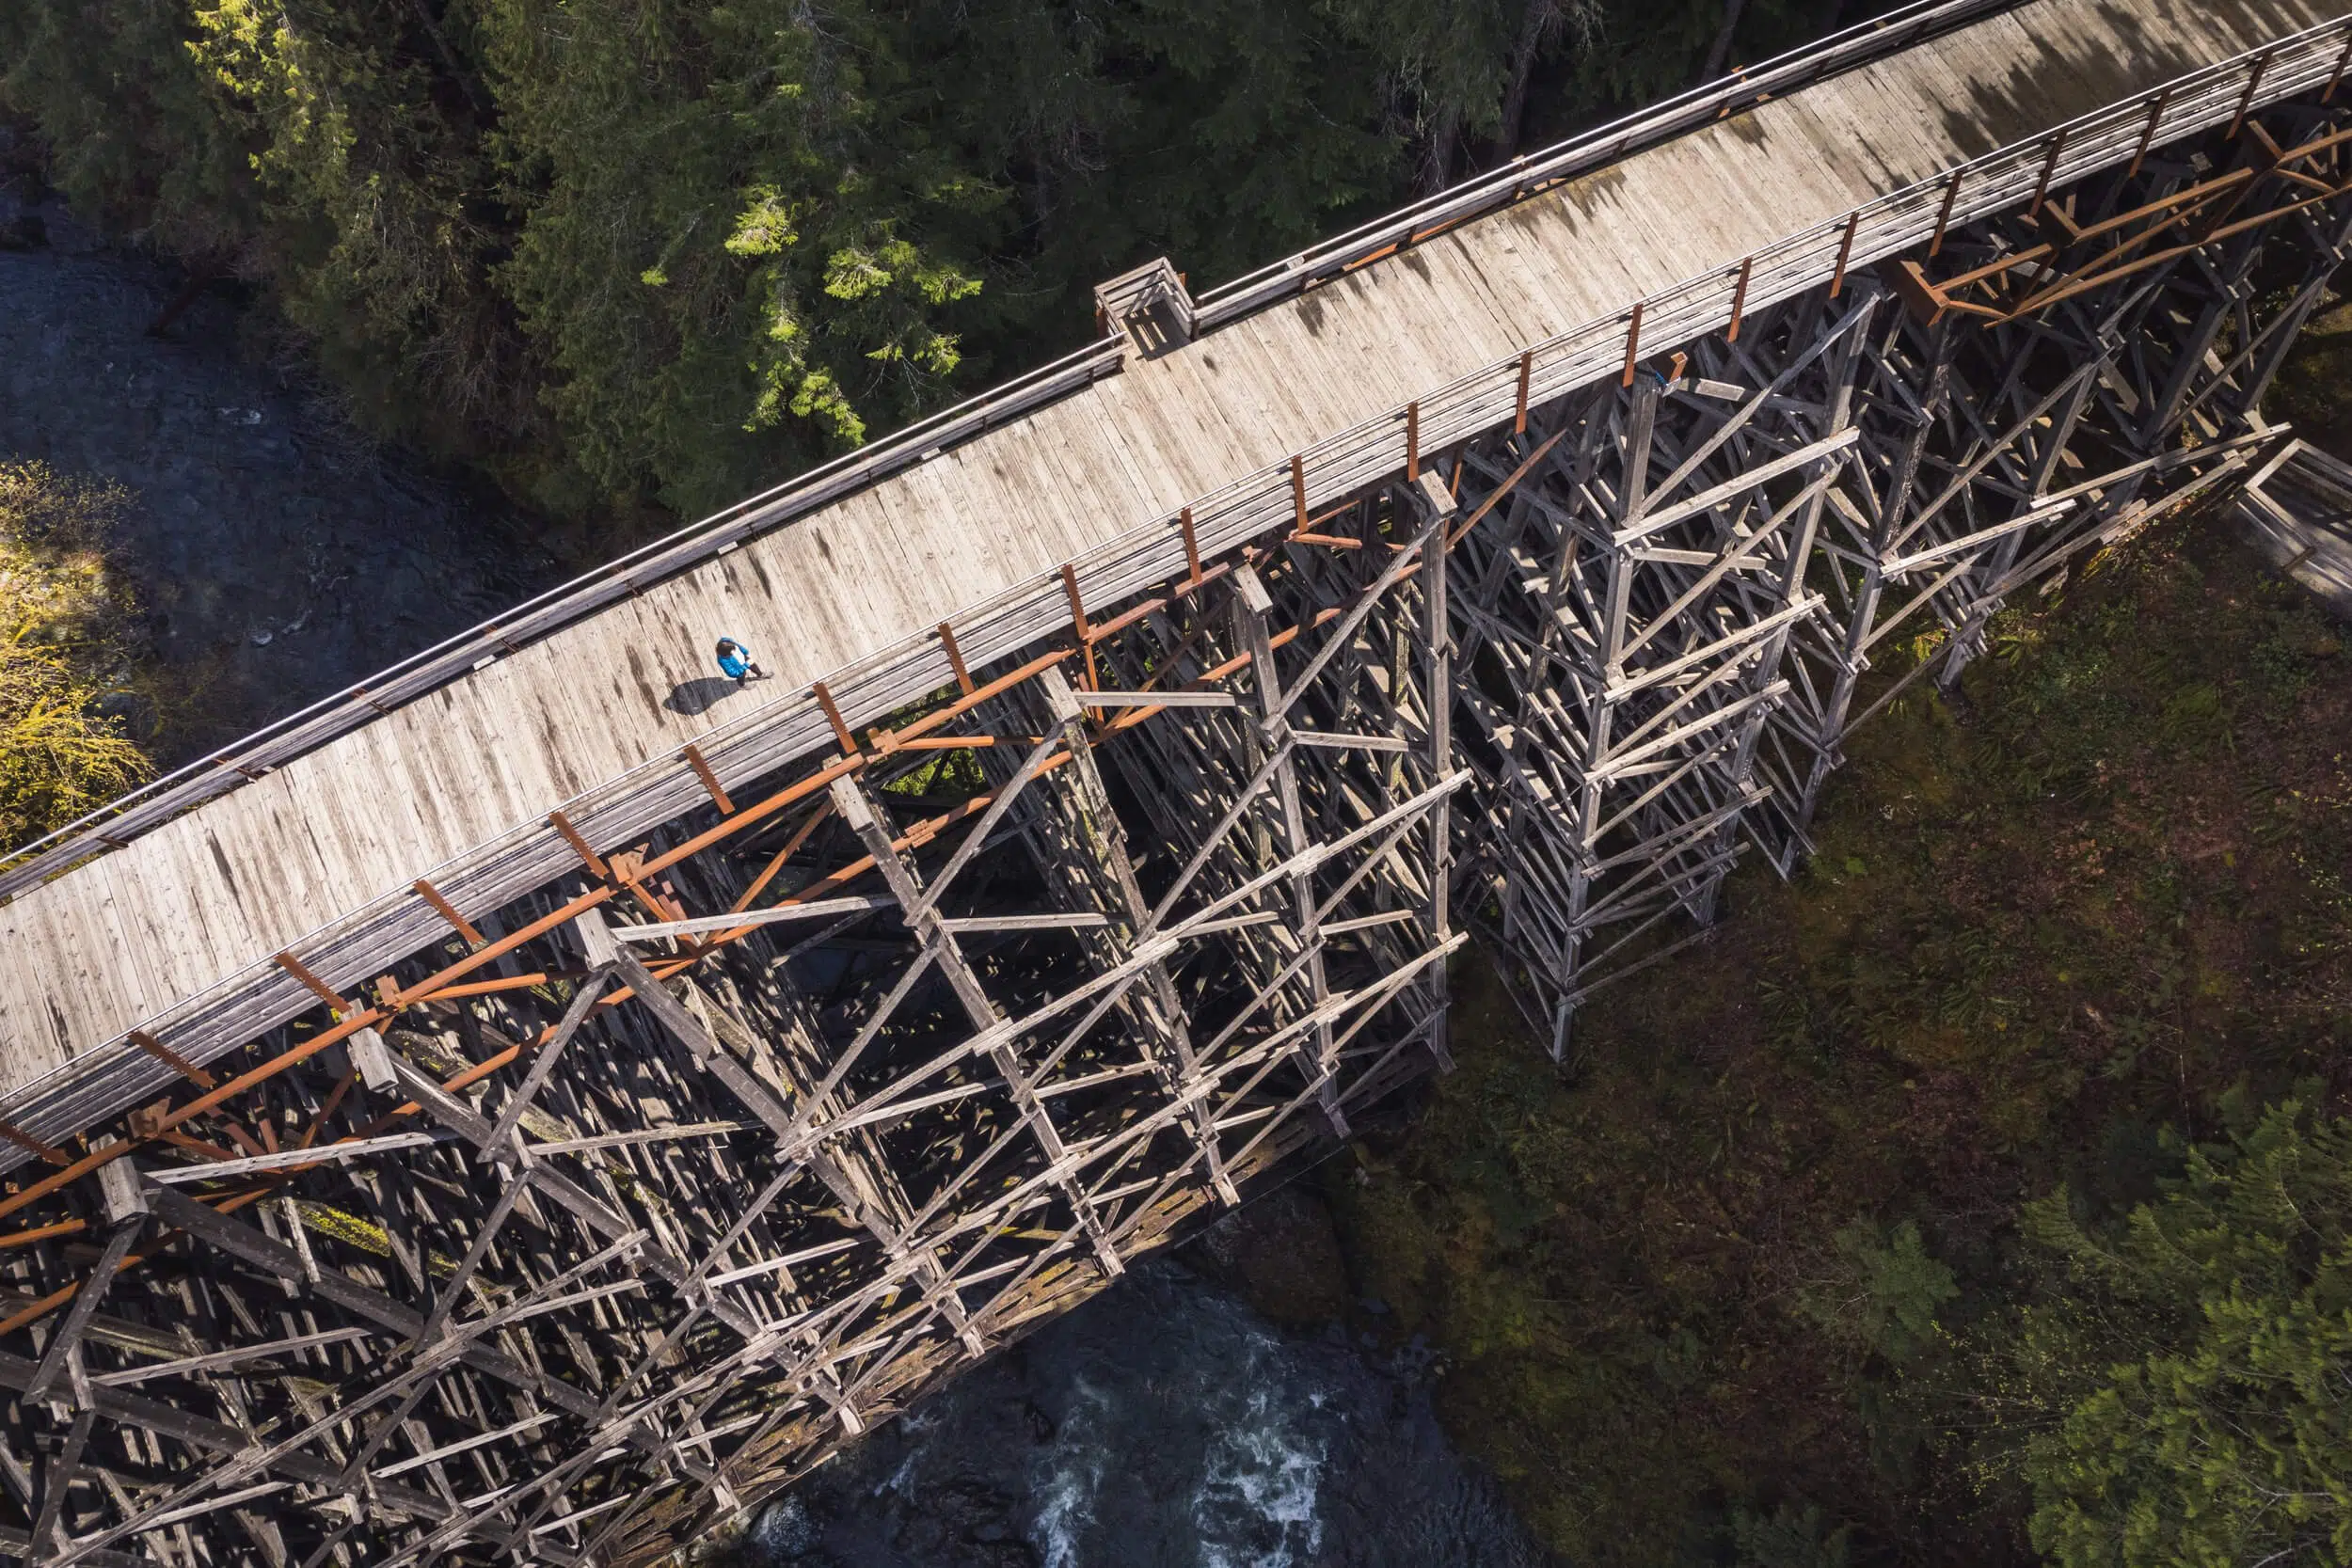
388, 1183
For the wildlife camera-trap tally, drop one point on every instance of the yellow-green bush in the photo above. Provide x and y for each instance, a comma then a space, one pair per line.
66, 646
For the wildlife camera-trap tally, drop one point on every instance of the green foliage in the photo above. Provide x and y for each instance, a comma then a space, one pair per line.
2194, 1361
136, 136
1790, 1537
367, 154
65, 643
1218, 133
1883, 1293
2030, 940
950, 775
725, 231
626, 252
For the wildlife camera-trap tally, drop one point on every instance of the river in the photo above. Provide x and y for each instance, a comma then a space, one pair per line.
279, 554
1161, 1425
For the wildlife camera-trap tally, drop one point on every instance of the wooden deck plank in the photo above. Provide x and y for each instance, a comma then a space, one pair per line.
1434, 316
1039, 518
988, 487
1198, 435
184, 921
1080, 490
1300, 407
1151, 484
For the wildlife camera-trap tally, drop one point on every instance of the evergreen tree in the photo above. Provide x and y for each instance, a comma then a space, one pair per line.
726, 221
672, 250
136, 135
2193, 1369
364, 128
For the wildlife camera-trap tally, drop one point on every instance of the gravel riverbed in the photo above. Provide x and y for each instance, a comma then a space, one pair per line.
280, 555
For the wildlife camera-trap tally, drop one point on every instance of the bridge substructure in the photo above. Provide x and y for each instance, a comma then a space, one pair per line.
609, 1172
1675, 613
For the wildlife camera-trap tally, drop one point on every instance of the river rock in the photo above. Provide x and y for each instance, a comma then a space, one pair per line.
1282, 1255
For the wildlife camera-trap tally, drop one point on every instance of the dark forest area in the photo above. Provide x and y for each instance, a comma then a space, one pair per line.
1979, 1195
637, 258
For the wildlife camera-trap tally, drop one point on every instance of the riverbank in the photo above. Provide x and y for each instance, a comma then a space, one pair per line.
277, 554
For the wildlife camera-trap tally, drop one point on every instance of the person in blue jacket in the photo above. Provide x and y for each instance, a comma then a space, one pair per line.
736, 662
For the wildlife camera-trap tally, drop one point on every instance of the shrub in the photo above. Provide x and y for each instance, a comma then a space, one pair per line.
67, 636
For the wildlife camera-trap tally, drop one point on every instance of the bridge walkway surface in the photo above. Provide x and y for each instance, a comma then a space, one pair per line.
175, 931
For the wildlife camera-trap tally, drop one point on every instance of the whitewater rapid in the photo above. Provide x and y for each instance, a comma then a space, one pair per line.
1164, 1425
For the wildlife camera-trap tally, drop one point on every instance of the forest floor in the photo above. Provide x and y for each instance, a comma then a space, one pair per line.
2104, 895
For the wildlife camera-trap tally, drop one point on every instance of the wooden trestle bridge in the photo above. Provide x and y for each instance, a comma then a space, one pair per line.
533, 1106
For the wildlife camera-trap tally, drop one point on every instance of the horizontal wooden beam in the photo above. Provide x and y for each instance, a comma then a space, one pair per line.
818, 908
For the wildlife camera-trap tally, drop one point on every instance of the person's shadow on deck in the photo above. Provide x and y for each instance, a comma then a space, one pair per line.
699, 695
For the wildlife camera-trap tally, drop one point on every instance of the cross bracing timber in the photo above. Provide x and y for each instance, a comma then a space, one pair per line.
2297, 511
749, 1189
1683, 601
544, 1208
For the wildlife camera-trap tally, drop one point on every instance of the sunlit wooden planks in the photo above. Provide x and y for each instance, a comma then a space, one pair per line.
362, 817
